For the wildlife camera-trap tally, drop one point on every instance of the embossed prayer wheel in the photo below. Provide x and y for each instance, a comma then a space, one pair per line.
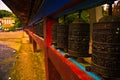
54, 33
38, 29
41, 29
62, 36
106, 48
78, 40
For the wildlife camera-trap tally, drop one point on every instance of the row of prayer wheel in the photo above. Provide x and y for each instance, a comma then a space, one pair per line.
106, 48
38, 29
75, 38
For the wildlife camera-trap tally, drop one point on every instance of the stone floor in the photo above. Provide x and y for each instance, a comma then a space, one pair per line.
7, 59
17, 59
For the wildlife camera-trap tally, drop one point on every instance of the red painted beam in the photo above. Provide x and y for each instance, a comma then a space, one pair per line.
48, 30
54, 61
62, 65
48, 22
67, 69
39, 41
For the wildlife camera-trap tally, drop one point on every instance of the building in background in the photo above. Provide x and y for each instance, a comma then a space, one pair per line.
7, 23
116, 10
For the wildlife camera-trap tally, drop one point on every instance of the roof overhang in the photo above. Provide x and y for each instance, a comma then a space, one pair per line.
30, 11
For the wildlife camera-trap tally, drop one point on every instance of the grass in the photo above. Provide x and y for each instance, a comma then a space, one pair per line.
13, 43
29, 65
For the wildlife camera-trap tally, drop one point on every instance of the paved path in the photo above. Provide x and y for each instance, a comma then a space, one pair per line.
10, 43
7, 59
11, 39
28, 65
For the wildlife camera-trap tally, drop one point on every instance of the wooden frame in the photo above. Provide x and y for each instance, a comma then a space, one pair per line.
57, 66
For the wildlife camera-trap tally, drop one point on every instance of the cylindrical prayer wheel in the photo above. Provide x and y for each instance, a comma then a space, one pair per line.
62, 36
106, 48
41, 29
54, 33
78, 40
38, 29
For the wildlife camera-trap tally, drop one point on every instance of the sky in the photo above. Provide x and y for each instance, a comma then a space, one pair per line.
3, 6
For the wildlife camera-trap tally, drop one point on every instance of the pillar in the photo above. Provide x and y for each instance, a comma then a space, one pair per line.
95, 15
51, 72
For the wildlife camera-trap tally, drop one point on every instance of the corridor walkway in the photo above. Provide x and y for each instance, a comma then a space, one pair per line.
28, 65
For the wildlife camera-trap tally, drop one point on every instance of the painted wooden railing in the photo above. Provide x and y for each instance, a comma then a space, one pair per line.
57, 66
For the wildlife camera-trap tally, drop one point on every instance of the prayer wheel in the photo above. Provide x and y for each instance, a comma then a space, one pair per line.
41, 29
38, 29
78, 40
62, 36
54, 33
106, 48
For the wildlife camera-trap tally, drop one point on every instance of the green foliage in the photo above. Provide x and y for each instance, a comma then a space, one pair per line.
17, 24
74, 16
85, 15
4, 13
69, 18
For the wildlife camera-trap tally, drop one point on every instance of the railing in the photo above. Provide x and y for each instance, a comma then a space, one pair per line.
57, 66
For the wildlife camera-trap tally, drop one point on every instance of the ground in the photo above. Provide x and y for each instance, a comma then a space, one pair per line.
27, 65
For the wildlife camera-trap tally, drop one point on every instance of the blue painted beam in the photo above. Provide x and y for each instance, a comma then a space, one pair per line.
84, 5
50, 6
81, 66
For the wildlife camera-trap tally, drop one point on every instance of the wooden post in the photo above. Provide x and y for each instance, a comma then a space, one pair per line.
34, 43
30, 38
50, 69
34, 46
92, 13
33, 28
48, 30
95, 15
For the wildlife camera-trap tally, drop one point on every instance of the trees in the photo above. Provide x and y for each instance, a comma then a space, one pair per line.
4, 13
84, 15
17, 24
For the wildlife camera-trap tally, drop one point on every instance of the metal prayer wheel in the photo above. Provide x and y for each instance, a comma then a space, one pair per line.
30, 28
38, 29
62, 37
41, 29
54, 33
78, 40
106, 48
